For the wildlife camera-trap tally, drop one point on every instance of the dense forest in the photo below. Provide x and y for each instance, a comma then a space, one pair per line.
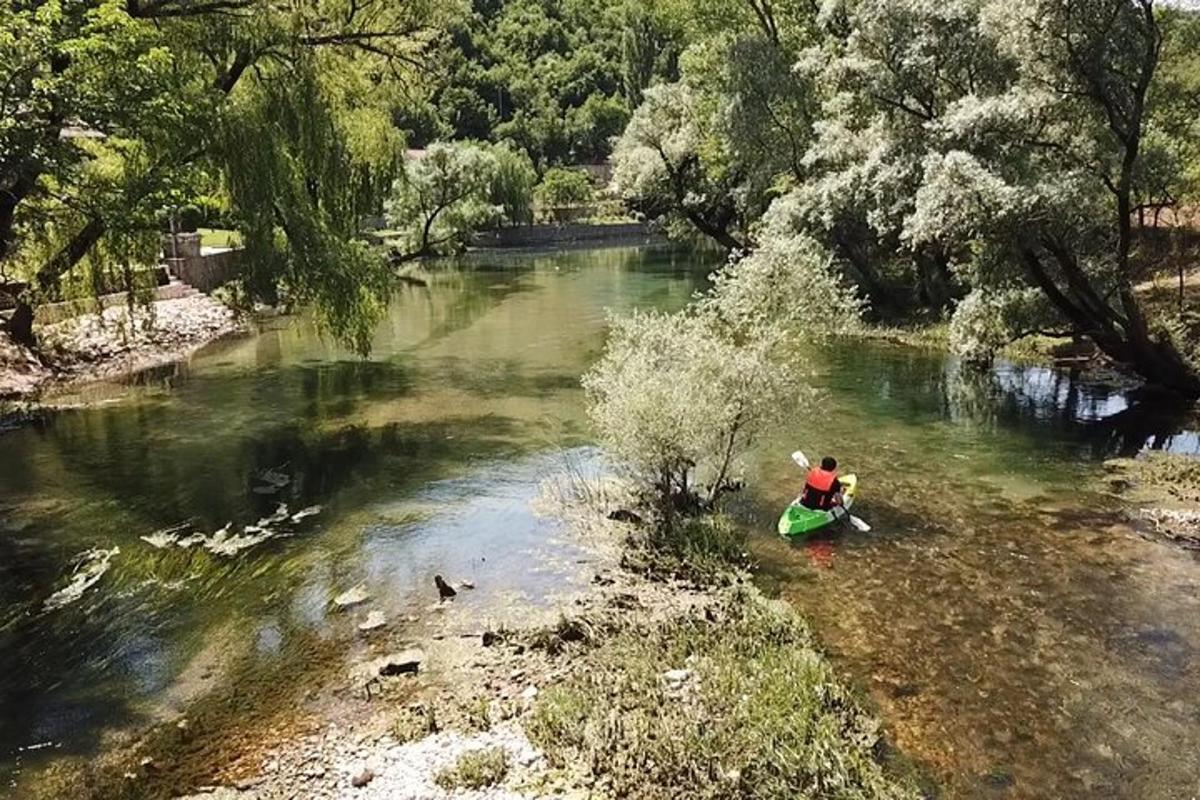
1016, 167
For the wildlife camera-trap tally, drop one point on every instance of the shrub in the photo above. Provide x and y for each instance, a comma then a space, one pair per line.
512, 184
674, 396
475, 769
563, 189
442, 198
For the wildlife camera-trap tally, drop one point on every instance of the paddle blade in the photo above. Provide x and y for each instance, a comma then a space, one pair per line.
801, 459
860, 524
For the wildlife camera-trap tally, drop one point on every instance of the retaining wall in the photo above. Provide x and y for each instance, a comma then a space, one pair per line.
545, 235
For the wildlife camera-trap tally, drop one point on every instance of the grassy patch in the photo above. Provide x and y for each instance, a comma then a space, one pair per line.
1158, 477
476, 769
219, 237
701, 549
759, 714
927, 334
415, 723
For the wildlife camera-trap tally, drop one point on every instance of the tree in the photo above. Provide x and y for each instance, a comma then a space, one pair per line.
115, 110
790, 284
563, 190
447, 194
1037, 178
542, 75
660, 169
512, 185
676, 400
708, 152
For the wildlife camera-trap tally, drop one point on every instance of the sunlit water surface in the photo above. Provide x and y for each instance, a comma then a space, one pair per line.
1019, 639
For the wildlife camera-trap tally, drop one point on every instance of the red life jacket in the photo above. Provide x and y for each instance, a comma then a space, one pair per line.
818, 489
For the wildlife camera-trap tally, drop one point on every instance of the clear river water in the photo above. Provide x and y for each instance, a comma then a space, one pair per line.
1017, 636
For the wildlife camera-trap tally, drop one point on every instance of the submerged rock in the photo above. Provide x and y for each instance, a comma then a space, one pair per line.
90, 567
305, 513
374, 620
403, 663
352, 597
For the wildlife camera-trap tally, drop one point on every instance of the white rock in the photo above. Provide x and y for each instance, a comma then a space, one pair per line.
374, 620
352, 597
674, 678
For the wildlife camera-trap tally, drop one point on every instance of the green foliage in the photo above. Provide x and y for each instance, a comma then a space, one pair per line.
543, 75
452, 191
788, 282
677, 394
475, 769
190, 217
758, 713
707, 153
512, 185
299, 187
662, 169
984, 322
115, 112
562, 189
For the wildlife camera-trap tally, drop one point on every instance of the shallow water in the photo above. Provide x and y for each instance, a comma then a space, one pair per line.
1020, 640
423, 459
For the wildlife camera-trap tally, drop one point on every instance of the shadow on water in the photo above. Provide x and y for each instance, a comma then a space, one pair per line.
59, 672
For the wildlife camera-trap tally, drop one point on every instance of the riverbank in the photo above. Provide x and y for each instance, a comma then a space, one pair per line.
115, 342
664, 677
1163, 494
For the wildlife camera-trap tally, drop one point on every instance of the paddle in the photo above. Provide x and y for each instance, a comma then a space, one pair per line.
859, 524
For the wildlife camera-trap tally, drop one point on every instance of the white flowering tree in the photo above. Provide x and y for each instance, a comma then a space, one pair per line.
662, 169
789, 282
676, 400
1008, 140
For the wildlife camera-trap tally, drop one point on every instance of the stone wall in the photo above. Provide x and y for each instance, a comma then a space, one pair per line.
51, 313
205, 268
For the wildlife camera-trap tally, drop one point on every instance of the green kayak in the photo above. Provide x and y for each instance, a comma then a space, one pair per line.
798, 521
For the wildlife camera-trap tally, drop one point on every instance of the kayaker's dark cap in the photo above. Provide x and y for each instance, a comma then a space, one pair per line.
829, 463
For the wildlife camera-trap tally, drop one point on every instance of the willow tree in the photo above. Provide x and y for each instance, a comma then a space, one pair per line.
707, 153
114, 111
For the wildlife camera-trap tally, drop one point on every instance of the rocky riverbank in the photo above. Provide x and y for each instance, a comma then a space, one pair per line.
674, 680
1163, 491
109, 344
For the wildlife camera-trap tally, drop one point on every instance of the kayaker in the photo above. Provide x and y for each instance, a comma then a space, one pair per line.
822, 489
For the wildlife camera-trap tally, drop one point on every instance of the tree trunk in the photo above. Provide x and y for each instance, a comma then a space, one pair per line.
20, 326
66, 258
935, 282
1126, 340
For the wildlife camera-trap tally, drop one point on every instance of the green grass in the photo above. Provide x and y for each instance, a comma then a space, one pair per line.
703, 549
218, 237
476, 769
763, 715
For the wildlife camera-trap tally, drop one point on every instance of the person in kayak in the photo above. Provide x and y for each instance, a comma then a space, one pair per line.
822, 489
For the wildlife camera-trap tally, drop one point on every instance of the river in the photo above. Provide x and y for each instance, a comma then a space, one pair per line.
1018, 638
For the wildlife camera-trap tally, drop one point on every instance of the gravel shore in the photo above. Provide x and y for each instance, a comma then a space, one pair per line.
116, 342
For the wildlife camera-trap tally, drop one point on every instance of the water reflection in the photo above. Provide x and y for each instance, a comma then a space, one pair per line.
1100, 419
422, 457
